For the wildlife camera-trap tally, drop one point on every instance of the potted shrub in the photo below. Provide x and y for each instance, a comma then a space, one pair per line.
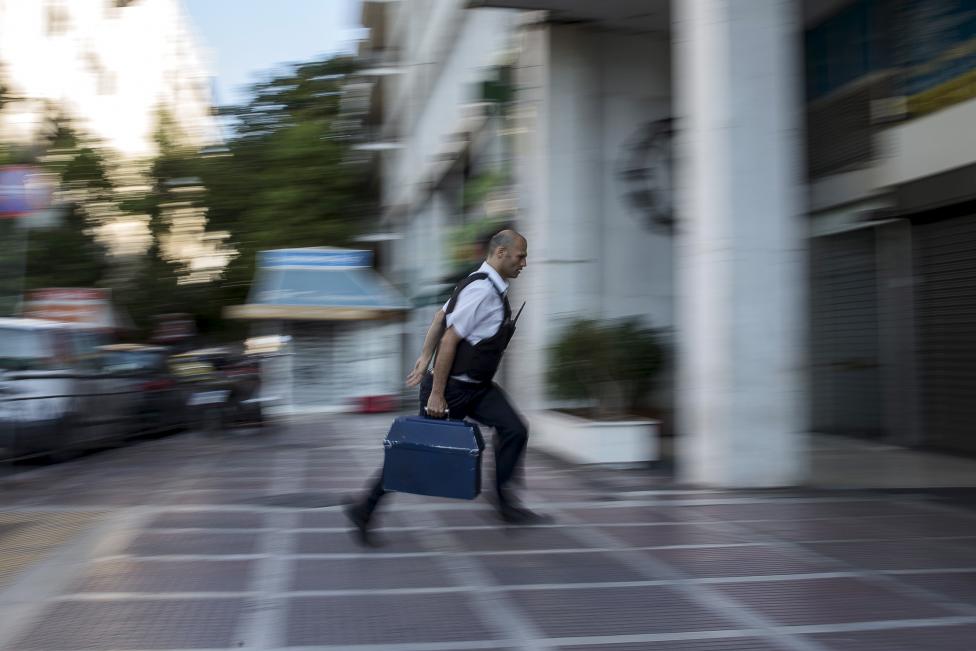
602, 374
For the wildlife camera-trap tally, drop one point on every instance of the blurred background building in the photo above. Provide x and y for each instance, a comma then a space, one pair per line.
890, 159
109, 67
114, 71
93, 91
678, 162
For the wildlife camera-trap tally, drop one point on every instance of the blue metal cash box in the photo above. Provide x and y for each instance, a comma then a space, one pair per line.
425, 456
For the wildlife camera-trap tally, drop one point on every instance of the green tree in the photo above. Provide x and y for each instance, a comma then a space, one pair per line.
286, 179
158, 284
67, 255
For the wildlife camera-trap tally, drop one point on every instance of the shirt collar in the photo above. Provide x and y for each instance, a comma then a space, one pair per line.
495, 278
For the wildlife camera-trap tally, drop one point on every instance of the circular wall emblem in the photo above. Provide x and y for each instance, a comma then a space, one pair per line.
646, 173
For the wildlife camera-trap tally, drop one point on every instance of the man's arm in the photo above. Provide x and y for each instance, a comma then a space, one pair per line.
436, 405
434, 334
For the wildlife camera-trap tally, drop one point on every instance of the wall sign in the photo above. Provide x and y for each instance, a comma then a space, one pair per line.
646, 173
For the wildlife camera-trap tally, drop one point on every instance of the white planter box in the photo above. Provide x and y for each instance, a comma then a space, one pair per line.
590, 441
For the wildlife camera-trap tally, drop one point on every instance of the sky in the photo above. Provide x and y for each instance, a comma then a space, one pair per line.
244, 39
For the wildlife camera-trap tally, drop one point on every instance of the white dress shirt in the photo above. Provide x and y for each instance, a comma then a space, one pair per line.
479, 310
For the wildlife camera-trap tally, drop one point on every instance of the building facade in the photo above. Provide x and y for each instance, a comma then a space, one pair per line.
893, 221
757, 177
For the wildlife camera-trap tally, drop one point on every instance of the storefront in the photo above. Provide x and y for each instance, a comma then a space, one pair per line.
341, 324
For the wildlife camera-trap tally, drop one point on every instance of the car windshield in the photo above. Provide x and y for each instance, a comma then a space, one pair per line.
137, 360
150, 360
26, 350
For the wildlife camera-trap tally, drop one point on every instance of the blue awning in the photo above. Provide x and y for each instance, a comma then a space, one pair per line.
319, 284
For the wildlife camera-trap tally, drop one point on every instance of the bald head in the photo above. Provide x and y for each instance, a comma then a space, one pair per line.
506, 238
507, 251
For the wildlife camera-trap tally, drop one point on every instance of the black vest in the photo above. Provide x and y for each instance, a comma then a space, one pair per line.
480, 361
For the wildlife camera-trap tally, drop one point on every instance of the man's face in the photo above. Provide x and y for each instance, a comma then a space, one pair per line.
512, 259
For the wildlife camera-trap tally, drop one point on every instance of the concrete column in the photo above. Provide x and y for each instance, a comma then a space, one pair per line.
572, 249
523, 367
740, 257
560, 193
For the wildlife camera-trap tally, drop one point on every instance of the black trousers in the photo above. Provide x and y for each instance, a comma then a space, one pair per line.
489, 405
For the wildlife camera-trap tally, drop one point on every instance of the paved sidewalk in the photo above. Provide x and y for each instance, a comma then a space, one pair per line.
238, 543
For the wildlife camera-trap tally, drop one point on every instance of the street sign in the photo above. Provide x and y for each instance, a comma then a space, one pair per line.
22, 191
90, 306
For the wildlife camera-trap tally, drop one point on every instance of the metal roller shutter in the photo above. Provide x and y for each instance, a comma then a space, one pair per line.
844, 344
313, 365
946, 300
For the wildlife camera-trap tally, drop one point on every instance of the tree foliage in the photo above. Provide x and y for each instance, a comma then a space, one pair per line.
283, 178
67, 253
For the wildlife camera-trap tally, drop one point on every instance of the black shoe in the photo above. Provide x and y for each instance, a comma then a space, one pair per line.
519, 515
360, 519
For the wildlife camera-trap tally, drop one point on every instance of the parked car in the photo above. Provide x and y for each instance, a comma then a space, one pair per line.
160, 400
55, 396
223, 388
